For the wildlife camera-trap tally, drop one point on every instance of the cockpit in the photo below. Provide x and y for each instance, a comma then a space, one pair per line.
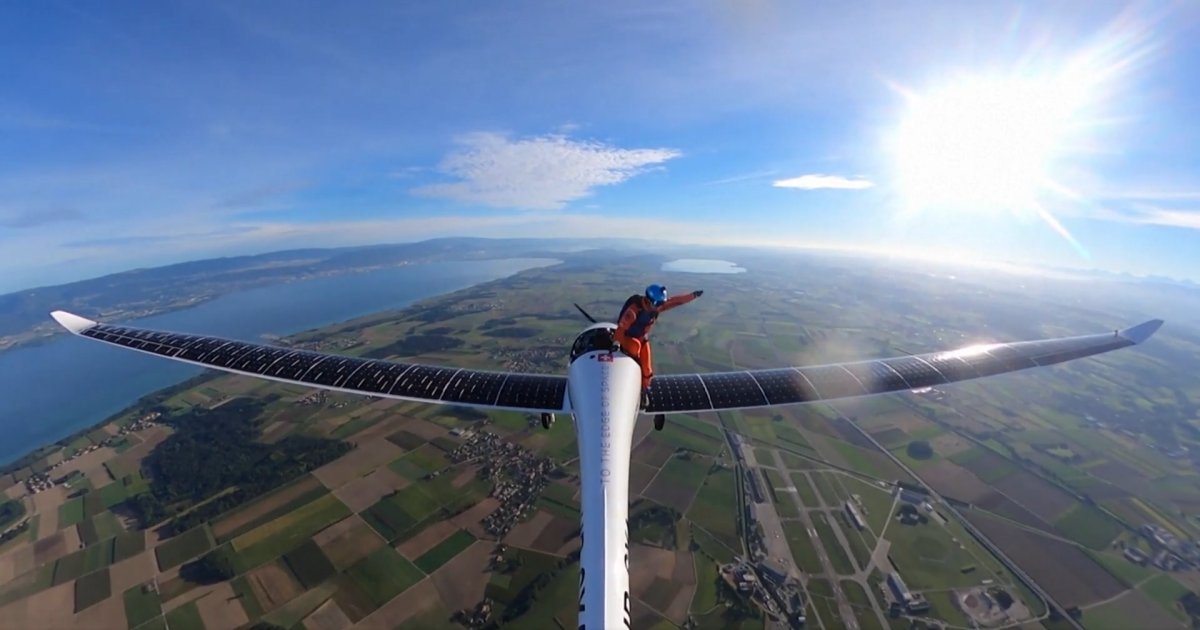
592, 339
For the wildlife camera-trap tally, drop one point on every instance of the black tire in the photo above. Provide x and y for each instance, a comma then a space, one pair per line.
660, 420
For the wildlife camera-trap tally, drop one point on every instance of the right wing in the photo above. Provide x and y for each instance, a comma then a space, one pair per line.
405, 381
747, 389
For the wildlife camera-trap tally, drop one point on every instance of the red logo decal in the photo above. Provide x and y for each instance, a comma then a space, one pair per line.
605, 358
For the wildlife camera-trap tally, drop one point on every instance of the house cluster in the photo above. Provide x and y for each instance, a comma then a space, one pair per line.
519, 476
769, 586
316, 398
477, 617
1169, 553
40, 482
535, 359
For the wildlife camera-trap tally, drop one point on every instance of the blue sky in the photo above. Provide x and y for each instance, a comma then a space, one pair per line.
135, 134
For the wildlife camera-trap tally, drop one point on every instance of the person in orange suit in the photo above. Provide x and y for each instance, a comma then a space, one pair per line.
636, 319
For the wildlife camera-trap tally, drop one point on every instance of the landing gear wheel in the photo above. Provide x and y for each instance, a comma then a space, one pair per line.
547, 420
660, 420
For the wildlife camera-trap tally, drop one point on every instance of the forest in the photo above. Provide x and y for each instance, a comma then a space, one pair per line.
216, 452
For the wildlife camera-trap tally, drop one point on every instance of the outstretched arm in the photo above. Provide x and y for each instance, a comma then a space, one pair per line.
679, 300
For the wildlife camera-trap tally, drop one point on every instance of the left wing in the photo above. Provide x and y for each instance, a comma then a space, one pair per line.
405, 381
747, 389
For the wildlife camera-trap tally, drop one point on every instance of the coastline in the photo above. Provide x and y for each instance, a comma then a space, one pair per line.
150, 398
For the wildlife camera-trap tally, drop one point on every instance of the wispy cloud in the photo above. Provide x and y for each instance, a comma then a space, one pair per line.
259, 195
740, 178
1169, 217
537, 173
818, 181
35, 218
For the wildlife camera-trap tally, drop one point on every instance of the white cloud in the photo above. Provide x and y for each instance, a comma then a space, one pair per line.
740, 178
538, 173
818, 181
1152, 215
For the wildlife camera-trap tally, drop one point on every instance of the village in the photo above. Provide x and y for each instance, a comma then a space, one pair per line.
519, 476
40, 482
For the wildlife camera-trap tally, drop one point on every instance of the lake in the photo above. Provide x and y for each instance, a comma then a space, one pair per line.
49, 391
702, 265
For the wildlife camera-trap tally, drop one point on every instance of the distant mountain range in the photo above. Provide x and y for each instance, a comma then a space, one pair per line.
143, 292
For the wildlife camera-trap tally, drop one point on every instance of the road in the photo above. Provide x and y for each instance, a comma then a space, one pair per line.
984, 540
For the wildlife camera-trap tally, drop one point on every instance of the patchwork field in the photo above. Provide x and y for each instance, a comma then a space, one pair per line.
318, 548
1067, 573
677, 482
273, 585
348, 541
954, 481
272, 539
462, 580
267, 507
363, 459
184, 547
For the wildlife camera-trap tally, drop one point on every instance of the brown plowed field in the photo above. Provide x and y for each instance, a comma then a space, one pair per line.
63, 542
367, 457
51, 608
46, 503
647, 563
348, 541
273, 585
1002, 505
652, 452
1046, 501
559, 536
329, 616
363, 492
426, 539
685, 578
132, 571
469, 520
461, 581
639, 477
221, 608
528, 531
1069, 575
954, 481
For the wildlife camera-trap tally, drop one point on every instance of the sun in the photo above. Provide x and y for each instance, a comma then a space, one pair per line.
983, 144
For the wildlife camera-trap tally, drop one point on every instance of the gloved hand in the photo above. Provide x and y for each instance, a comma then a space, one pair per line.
697, 293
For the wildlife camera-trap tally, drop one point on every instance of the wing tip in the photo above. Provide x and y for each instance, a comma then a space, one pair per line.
1143, 331
71, 321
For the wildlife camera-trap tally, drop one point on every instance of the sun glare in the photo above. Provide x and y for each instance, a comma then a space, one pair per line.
1013, 142
983, 144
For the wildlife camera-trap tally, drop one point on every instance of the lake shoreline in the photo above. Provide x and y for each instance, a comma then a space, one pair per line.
157, 375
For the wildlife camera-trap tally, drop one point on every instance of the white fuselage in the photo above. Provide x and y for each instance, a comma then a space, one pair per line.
605, 391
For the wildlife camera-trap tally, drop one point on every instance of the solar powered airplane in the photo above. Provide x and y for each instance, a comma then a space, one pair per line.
602, 391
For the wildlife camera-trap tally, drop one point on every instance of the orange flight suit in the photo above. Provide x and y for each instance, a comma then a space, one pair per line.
633, 329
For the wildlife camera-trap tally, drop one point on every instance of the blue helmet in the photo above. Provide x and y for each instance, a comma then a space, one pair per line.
657, 294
